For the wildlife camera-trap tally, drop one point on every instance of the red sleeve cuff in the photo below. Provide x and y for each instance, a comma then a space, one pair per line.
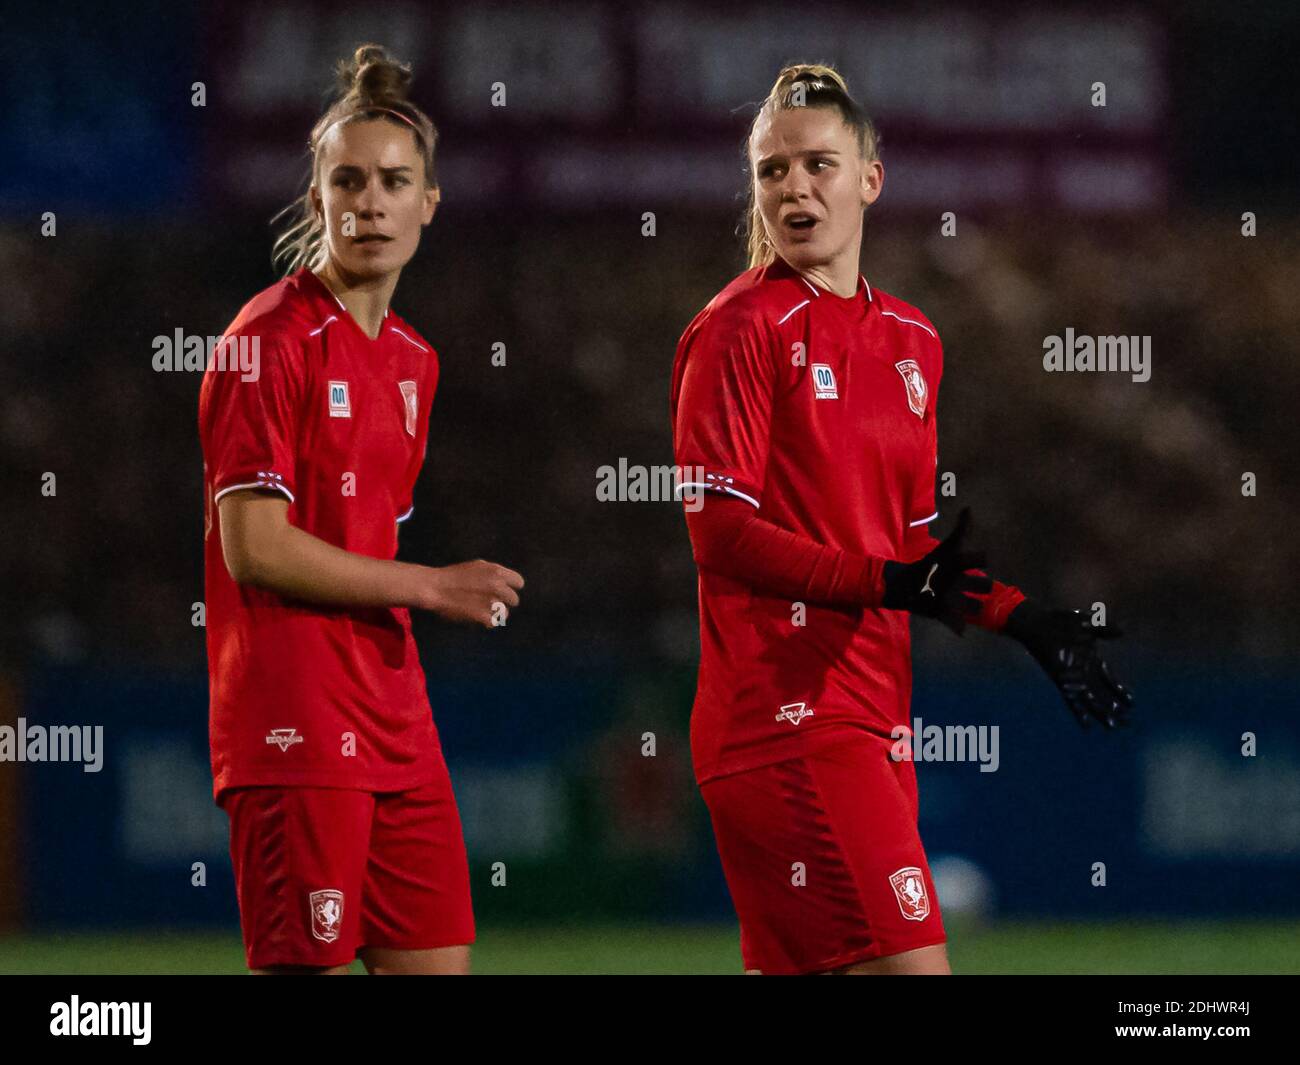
694, 479
253, 479
997, 605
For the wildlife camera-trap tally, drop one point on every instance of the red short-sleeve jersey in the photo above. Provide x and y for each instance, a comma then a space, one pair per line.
819, 410
337, 423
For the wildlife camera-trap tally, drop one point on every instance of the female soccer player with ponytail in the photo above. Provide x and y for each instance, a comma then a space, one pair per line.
344, 831
803, 407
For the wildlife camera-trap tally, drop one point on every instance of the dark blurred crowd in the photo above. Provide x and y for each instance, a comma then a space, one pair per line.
1085, 487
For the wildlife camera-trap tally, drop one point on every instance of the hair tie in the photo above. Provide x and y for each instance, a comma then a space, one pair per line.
365, 110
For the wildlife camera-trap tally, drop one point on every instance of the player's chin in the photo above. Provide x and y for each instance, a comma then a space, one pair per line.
374, 261
802, 254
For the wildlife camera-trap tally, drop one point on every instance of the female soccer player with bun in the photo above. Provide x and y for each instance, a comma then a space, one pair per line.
344, 832
803, 407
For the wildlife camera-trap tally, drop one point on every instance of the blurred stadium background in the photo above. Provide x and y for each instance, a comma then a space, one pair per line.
1123, 219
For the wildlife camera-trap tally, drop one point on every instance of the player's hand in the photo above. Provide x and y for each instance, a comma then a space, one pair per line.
478, 592
938, 586
1064, 643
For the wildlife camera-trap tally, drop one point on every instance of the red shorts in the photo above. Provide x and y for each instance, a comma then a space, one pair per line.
823, 859
322, 872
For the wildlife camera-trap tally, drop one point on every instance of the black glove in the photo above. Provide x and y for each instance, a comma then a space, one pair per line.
938, 585
1064, 643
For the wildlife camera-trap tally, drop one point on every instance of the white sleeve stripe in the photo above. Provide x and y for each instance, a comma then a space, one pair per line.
922, 521
909, 321
407, 514
718, 488
254, 484
408, 339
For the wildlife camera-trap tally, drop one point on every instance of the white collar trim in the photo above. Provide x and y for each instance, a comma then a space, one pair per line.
817, 292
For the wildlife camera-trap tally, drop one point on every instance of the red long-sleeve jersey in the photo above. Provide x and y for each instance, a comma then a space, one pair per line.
817, 411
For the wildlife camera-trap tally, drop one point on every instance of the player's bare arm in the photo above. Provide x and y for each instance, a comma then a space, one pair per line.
264, 549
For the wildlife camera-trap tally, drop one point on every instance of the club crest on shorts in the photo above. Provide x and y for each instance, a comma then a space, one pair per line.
412, 404
326, 914
917, 389
794, 712
909, 889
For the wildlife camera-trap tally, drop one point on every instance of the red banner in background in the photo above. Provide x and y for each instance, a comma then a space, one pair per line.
594, 106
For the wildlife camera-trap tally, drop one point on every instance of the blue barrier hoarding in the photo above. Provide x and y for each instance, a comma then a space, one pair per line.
1196, 811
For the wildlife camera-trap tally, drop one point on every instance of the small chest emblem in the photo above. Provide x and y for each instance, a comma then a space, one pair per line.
340, 406
412, 404
824, 382
917, 390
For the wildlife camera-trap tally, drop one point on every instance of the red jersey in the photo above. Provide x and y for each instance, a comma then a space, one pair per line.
819, 411
301, 693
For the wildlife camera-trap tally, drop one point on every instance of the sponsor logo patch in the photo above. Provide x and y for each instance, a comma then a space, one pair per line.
340, 405
824, 382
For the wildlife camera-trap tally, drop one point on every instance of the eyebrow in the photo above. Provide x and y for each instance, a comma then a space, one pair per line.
383, 169
811, 151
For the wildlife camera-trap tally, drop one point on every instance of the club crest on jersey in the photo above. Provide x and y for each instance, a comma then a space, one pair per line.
917, 390
794, 712
326, 914
824, 382
284, 738
340, 406
412, 404
909, 889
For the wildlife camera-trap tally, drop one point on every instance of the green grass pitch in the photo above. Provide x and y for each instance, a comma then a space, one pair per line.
1228, 947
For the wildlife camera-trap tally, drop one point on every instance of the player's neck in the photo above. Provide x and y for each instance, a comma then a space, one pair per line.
366, 299
839, 276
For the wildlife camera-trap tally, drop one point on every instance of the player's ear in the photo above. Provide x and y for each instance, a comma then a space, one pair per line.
317, 207
872, 180
432, 197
